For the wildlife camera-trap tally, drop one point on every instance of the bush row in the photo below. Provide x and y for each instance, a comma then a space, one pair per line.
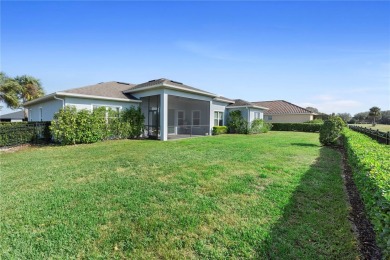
370, 164
71, 126
300, 127
23, 132
218, 130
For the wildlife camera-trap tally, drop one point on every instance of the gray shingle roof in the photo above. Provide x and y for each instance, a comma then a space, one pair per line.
241, 102
165, 82
112, 89
281, 107
244, 103
13, 115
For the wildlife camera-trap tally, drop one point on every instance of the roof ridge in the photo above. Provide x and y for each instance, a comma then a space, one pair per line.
297, 106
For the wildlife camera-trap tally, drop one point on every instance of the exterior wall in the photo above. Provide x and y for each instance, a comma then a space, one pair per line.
220, 107
297, 118
252, 113
244, 112
86, 103
49, 108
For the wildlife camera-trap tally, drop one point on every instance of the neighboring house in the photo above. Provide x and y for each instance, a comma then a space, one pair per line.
281, 111
13, 117
170, 108
249, 110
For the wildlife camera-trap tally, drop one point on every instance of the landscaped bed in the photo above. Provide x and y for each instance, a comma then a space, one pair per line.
274, 195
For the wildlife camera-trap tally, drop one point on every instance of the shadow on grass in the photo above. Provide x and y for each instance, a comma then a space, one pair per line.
314, 224
304, 144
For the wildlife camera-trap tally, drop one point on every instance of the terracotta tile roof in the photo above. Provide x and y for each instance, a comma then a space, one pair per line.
281, 107
165, 82
112, 89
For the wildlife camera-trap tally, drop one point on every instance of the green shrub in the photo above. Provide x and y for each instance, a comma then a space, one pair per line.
331, 130
370, 162
135, 118
299, 127
236, 123
73, 127
315, 121
218, 130
23, 132
259, 126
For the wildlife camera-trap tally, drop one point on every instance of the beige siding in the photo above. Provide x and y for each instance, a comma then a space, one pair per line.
289, 118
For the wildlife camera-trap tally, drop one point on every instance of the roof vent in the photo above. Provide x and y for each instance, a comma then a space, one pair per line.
124, 83
176, 82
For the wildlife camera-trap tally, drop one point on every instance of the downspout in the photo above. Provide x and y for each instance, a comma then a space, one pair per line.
63, 101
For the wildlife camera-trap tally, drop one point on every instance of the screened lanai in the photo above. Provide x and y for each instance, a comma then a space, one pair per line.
186, 117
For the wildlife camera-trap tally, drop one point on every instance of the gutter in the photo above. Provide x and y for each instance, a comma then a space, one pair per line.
63, 101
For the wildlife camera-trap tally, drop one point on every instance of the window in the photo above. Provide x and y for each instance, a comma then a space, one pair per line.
257, 115
30, 115
195, 117
269, 118
218, 118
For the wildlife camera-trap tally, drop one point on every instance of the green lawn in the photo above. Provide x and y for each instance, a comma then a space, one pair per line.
383, 128
277, 195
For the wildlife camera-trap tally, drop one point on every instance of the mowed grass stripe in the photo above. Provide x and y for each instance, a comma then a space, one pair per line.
274, 195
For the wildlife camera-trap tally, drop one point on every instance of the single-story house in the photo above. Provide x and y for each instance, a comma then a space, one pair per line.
17, 116
280, 111
170, 108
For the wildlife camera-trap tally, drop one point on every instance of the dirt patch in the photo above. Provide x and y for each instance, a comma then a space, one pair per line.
13, 149
361, 225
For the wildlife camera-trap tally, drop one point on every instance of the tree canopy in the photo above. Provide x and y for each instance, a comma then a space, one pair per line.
375, 112
15, 91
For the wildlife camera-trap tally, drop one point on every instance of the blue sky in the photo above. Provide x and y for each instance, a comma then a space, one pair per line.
328, 54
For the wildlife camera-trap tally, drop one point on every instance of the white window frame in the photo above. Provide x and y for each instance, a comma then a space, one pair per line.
218, 118
192, 118
257, 115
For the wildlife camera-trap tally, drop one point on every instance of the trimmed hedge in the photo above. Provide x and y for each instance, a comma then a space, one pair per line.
72, 126
370, 164
218, 130
12, 134
299, 127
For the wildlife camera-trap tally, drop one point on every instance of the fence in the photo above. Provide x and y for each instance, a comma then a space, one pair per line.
380, 137
13, 134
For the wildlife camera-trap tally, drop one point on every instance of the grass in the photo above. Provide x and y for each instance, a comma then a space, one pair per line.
277, 195
380, 127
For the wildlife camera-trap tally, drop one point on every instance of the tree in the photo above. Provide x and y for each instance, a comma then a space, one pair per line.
9, 90
236, 123
385, 117
312, 109
375, 112
345, 116
31, 88
361, 117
